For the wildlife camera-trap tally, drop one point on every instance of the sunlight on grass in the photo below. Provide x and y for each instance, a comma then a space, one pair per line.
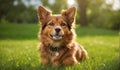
17, 53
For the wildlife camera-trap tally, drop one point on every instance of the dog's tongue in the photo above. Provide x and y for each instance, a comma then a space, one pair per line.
57, 37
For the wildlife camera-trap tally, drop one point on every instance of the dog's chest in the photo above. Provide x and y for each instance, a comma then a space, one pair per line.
55, 55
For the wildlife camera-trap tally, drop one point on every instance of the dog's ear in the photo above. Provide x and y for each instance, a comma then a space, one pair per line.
43, 13
69, 14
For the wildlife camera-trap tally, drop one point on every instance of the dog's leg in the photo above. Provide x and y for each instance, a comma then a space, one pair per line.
44, 61
81, 54
70, 61
84, 54
44, 56
56, 62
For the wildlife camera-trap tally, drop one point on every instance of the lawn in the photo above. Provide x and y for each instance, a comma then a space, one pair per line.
18, 48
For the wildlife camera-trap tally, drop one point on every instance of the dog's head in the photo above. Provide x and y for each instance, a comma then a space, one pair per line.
56, 27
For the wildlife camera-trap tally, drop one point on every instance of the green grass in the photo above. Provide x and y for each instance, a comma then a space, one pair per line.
18, 48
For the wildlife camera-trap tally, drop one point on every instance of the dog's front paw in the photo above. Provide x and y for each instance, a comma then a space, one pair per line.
56, 63
45, 62
70, 61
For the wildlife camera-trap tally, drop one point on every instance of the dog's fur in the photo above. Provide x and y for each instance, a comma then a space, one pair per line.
57, 31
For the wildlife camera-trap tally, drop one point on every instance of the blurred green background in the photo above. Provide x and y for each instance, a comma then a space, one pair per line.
94, 13
97, 29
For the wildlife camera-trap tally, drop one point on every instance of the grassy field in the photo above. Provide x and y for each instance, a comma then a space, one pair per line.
18, 48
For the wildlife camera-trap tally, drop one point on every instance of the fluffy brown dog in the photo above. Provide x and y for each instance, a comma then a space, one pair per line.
57, 37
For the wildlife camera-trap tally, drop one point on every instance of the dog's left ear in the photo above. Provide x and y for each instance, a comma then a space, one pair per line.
69, 14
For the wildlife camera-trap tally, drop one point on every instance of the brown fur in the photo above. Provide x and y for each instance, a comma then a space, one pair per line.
71, 53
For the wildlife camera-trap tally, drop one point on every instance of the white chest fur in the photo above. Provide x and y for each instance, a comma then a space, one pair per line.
57, 54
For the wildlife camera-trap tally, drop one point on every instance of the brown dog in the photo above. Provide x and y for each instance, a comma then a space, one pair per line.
57, 36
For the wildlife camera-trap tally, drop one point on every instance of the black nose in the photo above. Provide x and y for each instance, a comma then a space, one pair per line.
57, 30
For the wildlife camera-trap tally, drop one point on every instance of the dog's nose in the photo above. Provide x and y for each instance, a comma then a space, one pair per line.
57, 30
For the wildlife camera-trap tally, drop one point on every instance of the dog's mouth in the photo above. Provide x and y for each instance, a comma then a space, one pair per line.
56, 37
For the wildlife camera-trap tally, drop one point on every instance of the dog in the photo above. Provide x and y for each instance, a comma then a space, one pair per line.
57, 36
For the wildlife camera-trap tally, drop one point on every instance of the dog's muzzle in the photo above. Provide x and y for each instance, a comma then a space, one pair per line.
57, 35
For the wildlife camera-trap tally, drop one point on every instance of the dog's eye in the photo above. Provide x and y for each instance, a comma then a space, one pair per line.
63, 24
51, 24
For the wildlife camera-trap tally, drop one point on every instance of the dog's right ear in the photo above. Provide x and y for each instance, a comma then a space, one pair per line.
43, 13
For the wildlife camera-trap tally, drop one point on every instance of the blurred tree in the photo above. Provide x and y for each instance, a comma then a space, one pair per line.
95, 15
5, 7
115, 19
102, 15
45, 2
18, 13
56, 6
83, 11
24, 14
